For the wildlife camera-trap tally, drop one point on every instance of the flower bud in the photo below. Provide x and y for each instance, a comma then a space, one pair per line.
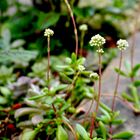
48, 32
97, 41
122, 44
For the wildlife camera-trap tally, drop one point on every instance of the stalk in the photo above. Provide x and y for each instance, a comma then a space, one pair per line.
74, 25
100, 79
48, 67
99, 95
115, 92
117, 82
82, 43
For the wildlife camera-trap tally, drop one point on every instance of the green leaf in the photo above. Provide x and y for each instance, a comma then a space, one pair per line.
82, 132
103, 130
28, 134
25, 111
121, 72
5, 91
65, 78
3, 5
136, 83
106, 113
84, 12
17, 56
102, 105
18, 43
134, 93
37, 97
127, 66
127, 97
81, 61
61, 133
6, 37
47, 20
135, 70
116, 122
73, 57
123, 135
3, 100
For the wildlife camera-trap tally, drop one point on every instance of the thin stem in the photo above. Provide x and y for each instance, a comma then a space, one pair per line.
100, 79
48, 67
72, 130
74, 25
99, 95
115, 93
117, 83
82, 43
92, 125
132, 53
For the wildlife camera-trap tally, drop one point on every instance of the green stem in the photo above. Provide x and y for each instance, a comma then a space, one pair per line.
82, 43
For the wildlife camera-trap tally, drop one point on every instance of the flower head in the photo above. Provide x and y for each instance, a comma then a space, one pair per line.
122, 44
94, 76
48, 32
101, 51
83, 27
97, 41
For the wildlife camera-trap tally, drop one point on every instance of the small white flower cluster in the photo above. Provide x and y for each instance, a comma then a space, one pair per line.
48, 32
81, 68
122, 44
101, 51
97, 41
83, 27
94, 76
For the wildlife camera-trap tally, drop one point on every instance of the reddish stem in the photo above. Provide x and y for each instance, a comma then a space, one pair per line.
74, 25
117, 83
99, 95
48, 68
100, 79
115, 92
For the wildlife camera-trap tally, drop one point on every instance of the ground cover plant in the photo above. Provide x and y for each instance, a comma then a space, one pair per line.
45, 102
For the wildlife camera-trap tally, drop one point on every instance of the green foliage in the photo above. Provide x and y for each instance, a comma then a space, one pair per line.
28, 134
3, 5
47, 20
61, 133
6, 75
82, 132
123, 135
12, 52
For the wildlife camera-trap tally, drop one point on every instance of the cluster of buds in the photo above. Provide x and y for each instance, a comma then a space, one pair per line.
94, 76
48, 32
122, 44
97, 41
83, 27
